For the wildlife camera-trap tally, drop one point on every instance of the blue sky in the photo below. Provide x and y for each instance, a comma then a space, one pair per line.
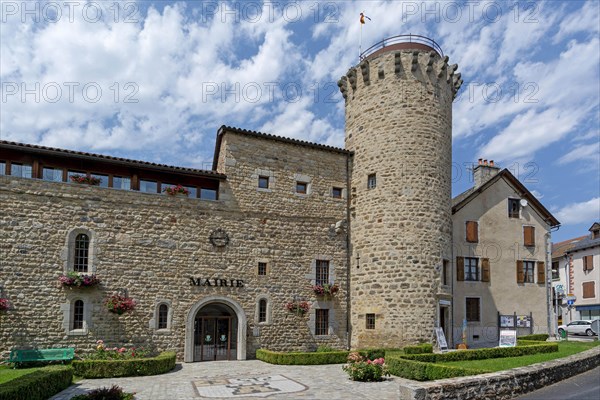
154, 80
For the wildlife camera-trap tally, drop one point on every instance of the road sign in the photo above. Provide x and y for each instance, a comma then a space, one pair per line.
570, 302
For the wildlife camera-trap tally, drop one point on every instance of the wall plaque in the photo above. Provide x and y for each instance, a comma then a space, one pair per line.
219, 238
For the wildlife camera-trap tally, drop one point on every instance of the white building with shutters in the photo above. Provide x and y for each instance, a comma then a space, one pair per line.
578, 274
500, 266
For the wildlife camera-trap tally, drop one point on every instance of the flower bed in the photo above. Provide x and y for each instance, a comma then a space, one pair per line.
325, 290
363, 369
84, 179
119, 304
40, 384
73, 279
298, 308
4, 304
111, 368
117, 353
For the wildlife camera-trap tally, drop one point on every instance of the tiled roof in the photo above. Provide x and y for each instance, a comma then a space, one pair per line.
464, 198
559, 249
585, 244
100, 157
225, 128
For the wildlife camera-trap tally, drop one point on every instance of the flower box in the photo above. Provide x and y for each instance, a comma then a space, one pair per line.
326, 290
84, 179
4, 304
298, 308
119, 304
73, 279
176, 191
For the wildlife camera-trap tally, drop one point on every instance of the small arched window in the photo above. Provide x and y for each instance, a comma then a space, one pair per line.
163, 314
77, 321
262, 310
82, 247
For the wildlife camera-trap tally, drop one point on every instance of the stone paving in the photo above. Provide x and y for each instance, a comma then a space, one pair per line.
248, 380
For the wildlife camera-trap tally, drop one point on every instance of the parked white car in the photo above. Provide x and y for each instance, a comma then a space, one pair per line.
580, 327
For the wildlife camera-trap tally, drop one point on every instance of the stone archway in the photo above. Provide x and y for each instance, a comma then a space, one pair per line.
188, 355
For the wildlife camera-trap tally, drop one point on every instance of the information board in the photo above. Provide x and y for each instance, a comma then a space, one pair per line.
507, 321
441, 339
523, 321
508, 338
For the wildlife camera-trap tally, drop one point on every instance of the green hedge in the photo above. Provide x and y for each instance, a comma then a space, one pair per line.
480, 354
117, 368
538, 337
424, 371
419, 349
274, 357
38, 385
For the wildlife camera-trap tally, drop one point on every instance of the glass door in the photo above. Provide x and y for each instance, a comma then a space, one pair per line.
223, 338
213, 339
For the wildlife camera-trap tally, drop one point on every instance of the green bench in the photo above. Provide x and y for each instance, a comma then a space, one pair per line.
31, 355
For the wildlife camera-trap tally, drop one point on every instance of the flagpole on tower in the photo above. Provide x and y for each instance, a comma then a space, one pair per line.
360, 43
362, 22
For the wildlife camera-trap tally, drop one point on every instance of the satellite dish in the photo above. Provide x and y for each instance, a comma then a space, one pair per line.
523, 203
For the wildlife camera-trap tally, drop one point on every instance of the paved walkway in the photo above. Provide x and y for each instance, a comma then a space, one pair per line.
245, 379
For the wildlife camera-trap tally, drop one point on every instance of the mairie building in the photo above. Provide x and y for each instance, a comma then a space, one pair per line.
232, 265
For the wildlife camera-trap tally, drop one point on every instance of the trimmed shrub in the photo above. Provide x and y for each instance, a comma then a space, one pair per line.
160, 364
480, 354
325, 349
274, 357
112, 393
423, 371
38, 385
372, 354
419, 349
539, 337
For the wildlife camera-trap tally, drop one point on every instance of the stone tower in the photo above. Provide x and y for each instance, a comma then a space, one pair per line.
399, 126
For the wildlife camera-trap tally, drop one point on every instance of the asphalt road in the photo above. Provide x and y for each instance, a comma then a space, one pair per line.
585, 386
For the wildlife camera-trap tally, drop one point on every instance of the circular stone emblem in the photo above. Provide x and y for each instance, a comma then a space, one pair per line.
219, 238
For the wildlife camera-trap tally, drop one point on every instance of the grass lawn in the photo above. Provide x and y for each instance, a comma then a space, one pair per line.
498, 364
8, 374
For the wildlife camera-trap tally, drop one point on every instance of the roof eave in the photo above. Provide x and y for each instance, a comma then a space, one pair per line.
523, 191
109, 159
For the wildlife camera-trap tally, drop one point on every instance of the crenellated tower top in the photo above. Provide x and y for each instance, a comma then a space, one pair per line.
416, 57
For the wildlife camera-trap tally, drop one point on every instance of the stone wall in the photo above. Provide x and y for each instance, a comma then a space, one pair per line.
398, 124
503, 385
152, 244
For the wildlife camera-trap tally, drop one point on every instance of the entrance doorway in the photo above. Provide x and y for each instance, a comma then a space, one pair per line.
444, 319
215, 333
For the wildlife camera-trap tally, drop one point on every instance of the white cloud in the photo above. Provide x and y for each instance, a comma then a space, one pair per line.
562, 101
576, 213
584, 19
586, 153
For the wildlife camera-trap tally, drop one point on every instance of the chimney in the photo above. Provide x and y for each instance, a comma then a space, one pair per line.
484, 171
